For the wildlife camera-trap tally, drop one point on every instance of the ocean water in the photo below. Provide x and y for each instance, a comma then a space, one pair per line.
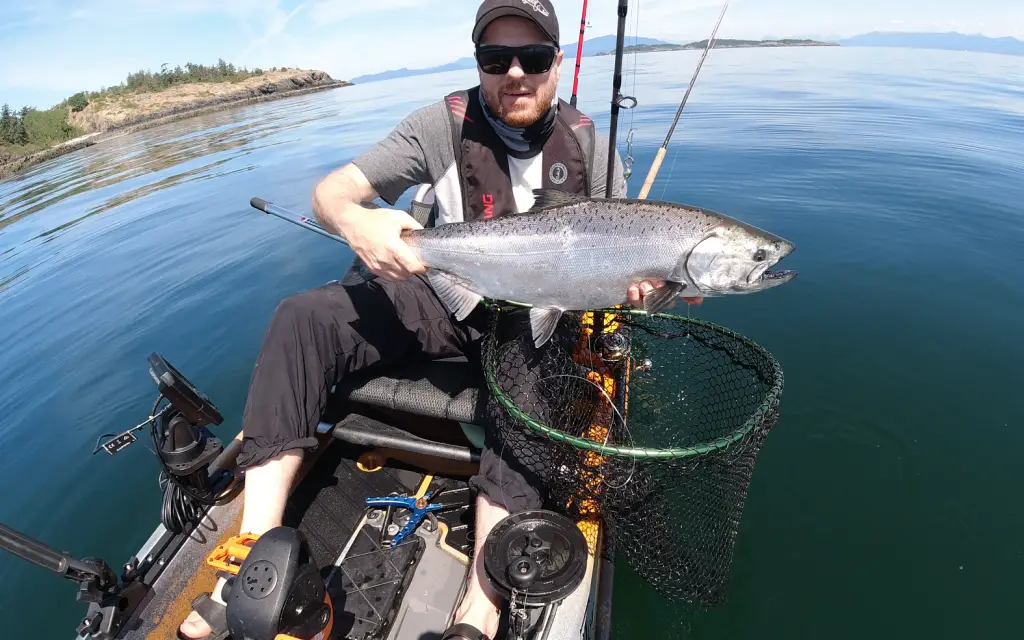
884, 503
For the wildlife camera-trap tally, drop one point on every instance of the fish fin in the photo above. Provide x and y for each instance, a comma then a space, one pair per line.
544, 198
358, 273
543, 323
457, 298
663, 297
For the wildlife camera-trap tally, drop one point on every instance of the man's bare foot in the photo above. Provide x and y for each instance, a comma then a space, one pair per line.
481, 606
194, 626
479, 611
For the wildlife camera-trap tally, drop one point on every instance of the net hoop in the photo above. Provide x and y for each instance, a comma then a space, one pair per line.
675, 453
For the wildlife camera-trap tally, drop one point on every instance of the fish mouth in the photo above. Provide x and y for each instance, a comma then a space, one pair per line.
764, 277
777, 277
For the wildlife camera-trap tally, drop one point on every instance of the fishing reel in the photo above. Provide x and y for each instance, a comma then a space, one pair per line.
613, 347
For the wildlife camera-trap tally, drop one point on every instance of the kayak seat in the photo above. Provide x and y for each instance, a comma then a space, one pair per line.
430, 407
449, 389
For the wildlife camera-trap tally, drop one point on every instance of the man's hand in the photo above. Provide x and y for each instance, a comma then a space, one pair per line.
374, 234
635, 293
376, 237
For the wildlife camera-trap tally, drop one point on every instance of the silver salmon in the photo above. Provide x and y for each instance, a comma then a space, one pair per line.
570, 253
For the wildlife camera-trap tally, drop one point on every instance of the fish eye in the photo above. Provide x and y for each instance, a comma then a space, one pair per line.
760, 255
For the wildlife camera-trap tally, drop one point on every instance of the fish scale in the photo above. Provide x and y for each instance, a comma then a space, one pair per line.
572, 253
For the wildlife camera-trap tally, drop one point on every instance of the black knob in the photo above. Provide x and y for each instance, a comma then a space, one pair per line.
612, 347
522, 572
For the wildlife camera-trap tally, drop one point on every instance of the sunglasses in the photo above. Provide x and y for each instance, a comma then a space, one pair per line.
533, 58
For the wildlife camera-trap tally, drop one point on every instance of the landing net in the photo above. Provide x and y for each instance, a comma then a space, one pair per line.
650, 423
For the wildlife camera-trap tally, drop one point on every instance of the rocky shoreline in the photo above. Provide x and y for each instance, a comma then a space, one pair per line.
300, 83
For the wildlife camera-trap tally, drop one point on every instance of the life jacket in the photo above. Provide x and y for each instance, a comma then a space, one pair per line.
482, 158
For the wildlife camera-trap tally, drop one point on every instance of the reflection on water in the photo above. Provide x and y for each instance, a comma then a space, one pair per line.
193, 175
131, 167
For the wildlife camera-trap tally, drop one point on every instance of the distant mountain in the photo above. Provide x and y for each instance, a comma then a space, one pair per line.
605, 44
950, 41
722, 44
461, 63
594, 46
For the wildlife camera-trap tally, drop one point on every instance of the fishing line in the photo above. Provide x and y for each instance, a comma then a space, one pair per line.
671, 168
627, 163
660, 156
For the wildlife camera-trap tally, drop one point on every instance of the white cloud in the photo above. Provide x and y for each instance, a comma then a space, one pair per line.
234, 8
278, 20
327, 12
361, 50
19, 16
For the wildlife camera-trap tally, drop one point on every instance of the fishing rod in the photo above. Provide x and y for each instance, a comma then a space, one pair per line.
603, 611
660, 156
617, 100
290, 216
579, 55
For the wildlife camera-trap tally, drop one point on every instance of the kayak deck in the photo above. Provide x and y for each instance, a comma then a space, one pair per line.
367, 582
404, 431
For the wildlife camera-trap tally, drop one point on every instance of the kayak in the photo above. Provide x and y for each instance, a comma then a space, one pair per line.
365, 547
404, 434
378, 534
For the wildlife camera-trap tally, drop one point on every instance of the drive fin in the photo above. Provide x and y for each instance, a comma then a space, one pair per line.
543, 323
456, 297
663, 297
545, 198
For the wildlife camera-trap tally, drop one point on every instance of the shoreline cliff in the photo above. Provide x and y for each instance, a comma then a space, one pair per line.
115, 114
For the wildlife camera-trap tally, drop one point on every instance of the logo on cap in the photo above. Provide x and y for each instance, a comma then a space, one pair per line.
537, 6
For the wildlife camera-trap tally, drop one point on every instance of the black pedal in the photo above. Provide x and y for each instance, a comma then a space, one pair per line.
278, 590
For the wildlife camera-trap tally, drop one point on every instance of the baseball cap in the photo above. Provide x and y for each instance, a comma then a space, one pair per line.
539, 11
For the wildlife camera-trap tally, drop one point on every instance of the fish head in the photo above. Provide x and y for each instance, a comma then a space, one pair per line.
738, 258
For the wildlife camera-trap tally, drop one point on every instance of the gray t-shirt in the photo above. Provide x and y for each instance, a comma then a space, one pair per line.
419, 152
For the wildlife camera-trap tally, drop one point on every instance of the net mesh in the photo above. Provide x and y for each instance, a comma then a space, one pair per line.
650, 423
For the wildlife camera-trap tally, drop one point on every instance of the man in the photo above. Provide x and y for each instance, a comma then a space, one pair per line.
482, 152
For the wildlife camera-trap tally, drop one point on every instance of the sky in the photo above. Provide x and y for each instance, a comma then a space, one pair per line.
50, 49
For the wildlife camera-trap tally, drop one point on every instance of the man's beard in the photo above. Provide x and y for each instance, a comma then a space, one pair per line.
518, 118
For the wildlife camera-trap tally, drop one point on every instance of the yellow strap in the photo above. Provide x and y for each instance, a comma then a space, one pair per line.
424, 485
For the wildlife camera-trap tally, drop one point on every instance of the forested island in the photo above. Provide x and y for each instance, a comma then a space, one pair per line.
29, 135
724, 43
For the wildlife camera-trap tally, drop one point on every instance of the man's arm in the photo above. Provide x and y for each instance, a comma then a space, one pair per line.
373, 234
385, 171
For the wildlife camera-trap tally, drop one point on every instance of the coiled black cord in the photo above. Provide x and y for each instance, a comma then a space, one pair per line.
182, 504
178, 508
